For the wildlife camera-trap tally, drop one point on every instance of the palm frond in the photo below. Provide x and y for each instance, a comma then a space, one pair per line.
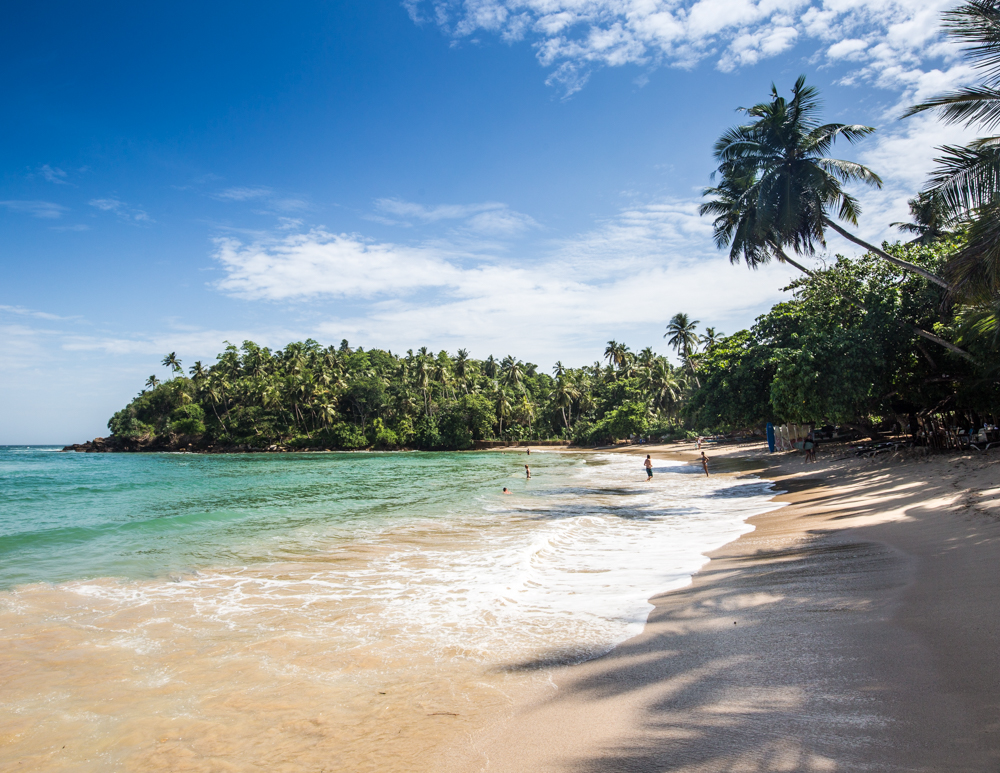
971, 105
967, 178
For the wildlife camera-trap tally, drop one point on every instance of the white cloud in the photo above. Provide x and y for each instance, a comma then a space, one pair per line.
121, 209
23, 312
488, 218
888, 39
655, 259
53, 174
244, 193
43, 209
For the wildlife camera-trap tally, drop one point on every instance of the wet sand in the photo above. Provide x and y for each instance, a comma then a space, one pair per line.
855, 629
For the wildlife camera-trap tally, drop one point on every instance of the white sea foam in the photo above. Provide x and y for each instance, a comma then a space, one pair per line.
564, 568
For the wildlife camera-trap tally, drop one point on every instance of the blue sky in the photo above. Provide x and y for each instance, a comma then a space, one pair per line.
513, 176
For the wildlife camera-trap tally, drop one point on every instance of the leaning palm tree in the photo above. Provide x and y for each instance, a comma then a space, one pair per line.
745, 222
778, 165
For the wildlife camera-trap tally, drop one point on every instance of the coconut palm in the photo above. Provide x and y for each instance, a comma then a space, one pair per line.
197, 371
513, 371
504, 406
681, 336
931, 217
780, 161
711, 337
754, 238
152, 382
563, 396
171, 361
968, 178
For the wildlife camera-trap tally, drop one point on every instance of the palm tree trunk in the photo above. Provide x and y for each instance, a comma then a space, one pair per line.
912, 328
903, 264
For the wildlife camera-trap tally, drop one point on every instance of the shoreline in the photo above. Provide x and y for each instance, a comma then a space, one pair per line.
853, 628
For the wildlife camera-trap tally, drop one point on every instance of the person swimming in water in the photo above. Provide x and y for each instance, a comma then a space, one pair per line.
648, 464
527, 472
506, 490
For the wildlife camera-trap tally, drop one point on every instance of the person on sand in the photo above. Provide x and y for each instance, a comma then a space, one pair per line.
527, 472
506, 490
704, 463
809, 446
648, 464
699, 443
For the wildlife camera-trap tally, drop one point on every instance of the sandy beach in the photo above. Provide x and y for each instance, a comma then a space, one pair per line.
856, 628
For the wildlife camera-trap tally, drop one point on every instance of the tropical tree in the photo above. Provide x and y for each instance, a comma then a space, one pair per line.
710, 337
152, 382
931, 217
777, 169
171, 361
967, 177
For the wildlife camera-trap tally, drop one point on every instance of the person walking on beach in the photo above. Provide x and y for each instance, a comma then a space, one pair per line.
527, 472
648, 464
704, 463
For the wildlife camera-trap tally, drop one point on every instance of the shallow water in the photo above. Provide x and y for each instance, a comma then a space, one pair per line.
321, 611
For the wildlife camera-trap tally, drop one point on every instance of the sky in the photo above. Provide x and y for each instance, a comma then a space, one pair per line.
509, 176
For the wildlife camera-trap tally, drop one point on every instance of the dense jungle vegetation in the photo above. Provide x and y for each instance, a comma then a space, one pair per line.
906, 330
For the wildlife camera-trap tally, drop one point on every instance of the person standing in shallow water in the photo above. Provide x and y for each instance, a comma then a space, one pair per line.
527, 472
648, 464
704, 463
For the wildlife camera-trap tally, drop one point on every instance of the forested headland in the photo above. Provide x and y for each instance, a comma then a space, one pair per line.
901, 335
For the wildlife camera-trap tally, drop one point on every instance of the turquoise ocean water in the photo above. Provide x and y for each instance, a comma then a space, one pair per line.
68, 516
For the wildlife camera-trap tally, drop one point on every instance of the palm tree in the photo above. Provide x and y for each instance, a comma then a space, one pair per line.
197, 371
745, 221
503, 404
931, 217
490, 367
615, 353
968, 178
711, 337
662, 385
152, 382
171, 361
778, 168
513, 373
558, 370
424, 380
563, 395
681, 336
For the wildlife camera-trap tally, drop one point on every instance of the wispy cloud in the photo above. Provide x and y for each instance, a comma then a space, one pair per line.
42, 209
53, 174
489, 218
243, 193
121, 209
21, 311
